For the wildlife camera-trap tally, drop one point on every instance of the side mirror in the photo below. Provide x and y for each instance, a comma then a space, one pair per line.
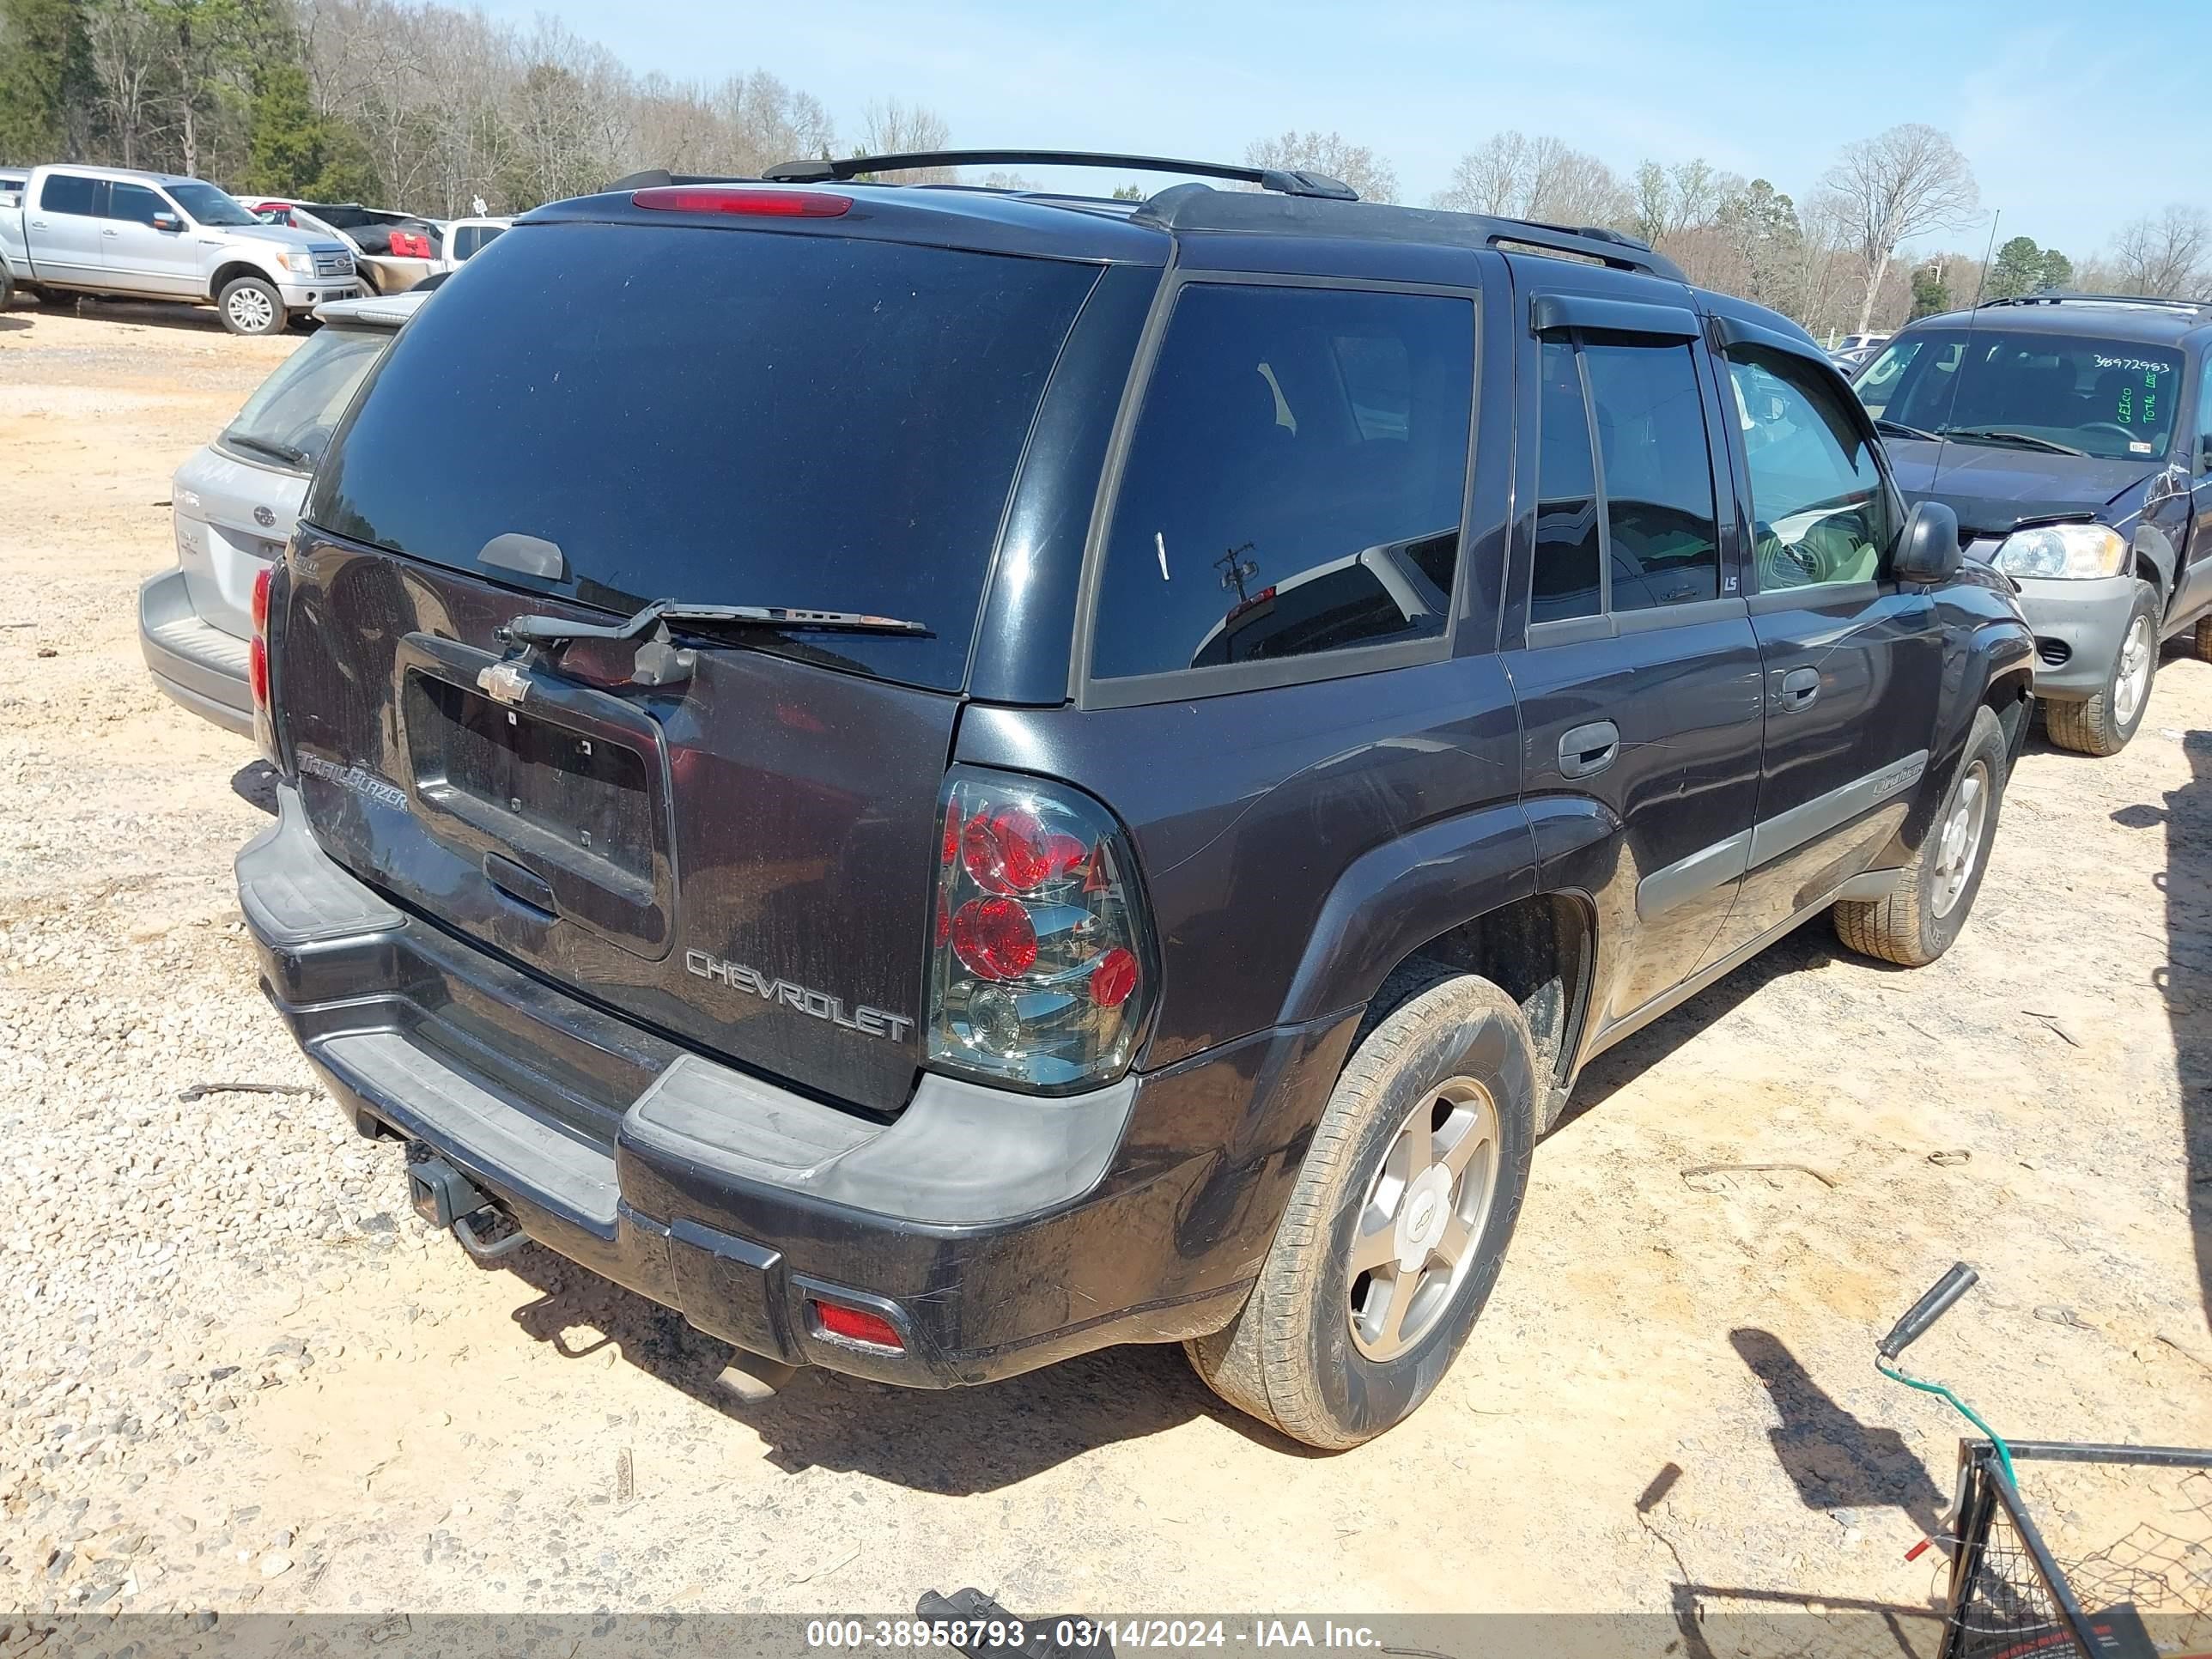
1927, 547
2204, 454
168, 221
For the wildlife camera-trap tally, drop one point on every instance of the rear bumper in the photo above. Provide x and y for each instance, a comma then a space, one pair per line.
2078, 627
192, 660
996, 1231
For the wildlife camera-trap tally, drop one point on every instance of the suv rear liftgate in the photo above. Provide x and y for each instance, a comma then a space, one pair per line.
581, 874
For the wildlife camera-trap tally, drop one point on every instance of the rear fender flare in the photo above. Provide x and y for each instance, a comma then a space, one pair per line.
1395, 898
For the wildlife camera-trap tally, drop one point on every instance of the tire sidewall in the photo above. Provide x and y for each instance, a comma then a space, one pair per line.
1363, 1395
275, 302
1984, 742
2145, 605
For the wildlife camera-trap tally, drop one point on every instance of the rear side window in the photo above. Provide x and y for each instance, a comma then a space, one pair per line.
64, 192
1295, 482
469, 240
1636, 531
718, 416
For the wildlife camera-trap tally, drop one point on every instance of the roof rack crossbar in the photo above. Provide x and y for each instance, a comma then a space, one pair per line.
2053, 297
1282, 181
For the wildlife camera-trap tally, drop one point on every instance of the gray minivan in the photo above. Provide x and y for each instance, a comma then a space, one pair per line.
233, 504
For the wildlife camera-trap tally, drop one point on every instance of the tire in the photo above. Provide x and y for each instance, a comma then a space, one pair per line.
248, 304
1918, 921
46, 296
7, 288
2200, 639
1456, 1054
2102, 725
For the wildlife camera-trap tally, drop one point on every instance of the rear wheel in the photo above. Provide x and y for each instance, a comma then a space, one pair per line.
1397, 1228
248, 304
46, 296
2200, 639
2102, 725
1918, 922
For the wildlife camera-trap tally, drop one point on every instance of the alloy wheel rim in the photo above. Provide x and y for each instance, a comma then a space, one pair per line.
250, 309
1426, 1209
1961, 841
2134, 678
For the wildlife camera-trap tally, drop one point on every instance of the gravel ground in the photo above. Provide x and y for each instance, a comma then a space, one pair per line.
236, 1372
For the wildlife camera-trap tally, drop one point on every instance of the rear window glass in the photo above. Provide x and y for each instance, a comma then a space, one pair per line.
469, 240
289, 418
1295, 480
720, 417
64, 192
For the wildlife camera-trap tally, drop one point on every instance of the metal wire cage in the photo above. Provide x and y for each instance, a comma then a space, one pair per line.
2011, 1596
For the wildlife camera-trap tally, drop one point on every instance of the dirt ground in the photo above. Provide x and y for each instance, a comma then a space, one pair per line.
251, 1379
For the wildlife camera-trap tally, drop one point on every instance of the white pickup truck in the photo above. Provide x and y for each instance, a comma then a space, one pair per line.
155, 236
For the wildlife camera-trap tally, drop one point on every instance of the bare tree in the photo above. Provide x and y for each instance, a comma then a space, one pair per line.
1896, 185
1687, 197
1542, 178
126, 47
892, 126
2165, 254
1332, 156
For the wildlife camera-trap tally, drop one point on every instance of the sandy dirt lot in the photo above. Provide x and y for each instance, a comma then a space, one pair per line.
236, 1372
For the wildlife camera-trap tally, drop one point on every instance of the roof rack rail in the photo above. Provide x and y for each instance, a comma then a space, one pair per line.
659, 178
2056, 297
1283, 181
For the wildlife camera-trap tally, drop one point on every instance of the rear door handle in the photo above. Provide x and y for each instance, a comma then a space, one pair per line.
1794, 689
111, 233
1588, 750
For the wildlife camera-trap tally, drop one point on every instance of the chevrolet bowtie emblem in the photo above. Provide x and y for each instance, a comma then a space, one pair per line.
505, 682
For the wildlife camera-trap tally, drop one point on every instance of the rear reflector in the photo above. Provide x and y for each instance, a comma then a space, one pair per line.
261, 580
763, 203
856, 1325
257, 672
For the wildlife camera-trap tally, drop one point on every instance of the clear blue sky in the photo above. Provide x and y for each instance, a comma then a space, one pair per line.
2075, 117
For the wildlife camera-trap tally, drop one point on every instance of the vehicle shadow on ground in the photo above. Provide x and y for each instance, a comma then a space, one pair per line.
192, 319
1835, 1462
255, 783
1811, 945
952, 1442
10, 324
2186, 979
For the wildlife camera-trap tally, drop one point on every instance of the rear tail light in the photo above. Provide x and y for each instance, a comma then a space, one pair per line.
257, 663
768, 203
410, 245
1040, 972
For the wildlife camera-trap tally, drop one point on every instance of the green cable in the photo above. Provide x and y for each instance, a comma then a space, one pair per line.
2004, 1452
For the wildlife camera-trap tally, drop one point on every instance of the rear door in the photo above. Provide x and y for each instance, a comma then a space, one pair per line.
63, 227
607, 414
1853, 661
1639, 677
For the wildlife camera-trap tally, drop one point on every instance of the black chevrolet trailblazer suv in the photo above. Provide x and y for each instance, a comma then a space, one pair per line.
940, 778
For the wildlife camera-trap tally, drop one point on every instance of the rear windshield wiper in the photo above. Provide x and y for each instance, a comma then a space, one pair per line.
2024, 439
269, 446
1899, 429
555, 630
